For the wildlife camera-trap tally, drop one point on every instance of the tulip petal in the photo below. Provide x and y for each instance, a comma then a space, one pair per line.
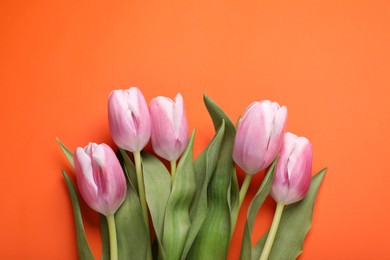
134, 99
83, 164
275, 140
299, 182
178, 113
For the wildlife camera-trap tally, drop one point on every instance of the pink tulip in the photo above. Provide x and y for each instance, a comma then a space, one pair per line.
293, 171
169, 127
259, 136
100, 178
129, 119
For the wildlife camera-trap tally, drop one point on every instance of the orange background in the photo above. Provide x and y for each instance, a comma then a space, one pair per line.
328, 61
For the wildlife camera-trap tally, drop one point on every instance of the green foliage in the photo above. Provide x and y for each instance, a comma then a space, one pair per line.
83, 249
158, 189
132, 233
204, 168
213, 238
67, 152
129, 168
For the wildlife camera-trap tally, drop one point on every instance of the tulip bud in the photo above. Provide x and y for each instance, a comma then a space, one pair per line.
259, 135
129, 119
169, 127
293, 170
100, 178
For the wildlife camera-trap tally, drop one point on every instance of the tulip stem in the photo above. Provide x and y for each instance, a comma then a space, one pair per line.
272, 232
244, 188
173, 171
112, 235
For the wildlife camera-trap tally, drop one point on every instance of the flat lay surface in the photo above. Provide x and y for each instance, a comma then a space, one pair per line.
328, 62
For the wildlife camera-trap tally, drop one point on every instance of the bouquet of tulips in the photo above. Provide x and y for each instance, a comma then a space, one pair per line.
190, 211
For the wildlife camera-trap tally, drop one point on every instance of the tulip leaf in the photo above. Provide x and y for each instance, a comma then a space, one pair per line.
67, 152
83, 248
204, 168
233, 200
105, 238
129, 168
132, 234
295, 223
157, 189
213, 238
177, 218
256, 203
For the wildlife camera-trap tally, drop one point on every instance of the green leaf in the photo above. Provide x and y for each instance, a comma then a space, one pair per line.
204, 168
295, 223
213, 238
132, 234
105, 238
257, 201
177, 219
157, 189
67, 152
82, 244
129, 168
234, 200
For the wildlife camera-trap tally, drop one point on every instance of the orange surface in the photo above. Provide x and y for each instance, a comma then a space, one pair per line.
328, 61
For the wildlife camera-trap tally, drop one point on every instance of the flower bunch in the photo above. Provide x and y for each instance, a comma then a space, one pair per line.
193, 207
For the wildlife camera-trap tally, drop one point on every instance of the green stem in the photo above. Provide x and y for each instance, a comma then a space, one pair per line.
272, 233
173, 171
244, 188
141, 194
112, 235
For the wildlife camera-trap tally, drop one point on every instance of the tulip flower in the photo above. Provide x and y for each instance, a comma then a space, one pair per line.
258, 139
291, 180
293, 171
129, 119
101, 183
259, 136
100, 178
169, 127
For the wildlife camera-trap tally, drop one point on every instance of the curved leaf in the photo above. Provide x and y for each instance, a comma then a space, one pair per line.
67, 152
177, 219
234, 200
294, 225
82, 244
129, 168
157, 189
213, 238
204, 167
105, 238
132, 234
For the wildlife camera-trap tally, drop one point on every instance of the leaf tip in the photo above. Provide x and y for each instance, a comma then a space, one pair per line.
322, 172
64, 174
